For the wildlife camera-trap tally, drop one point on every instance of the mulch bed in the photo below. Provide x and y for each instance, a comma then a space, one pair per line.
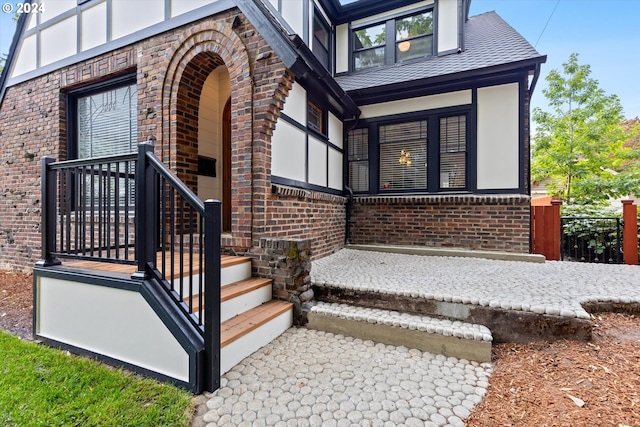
16, 303
564, 383
567, 383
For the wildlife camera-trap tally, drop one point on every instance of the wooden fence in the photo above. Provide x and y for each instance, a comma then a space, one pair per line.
546, 232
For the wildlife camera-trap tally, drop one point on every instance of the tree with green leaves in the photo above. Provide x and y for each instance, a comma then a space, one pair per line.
578, 148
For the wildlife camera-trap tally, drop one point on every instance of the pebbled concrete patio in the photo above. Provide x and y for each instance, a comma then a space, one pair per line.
518, 300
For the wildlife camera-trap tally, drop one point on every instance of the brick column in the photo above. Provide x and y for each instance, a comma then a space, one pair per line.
630, 232
288, 263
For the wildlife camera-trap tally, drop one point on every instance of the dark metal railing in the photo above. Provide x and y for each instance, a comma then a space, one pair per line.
132, 209
90, 208
596, 240
178, 244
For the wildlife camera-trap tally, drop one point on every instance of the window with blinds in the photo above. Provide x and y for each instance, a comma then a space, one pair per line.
107, 125
107, 122
358, 159
403, 156
453, 152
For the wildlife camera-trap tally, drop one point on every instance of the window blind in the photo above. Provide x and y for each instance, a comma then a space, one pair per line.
403, 156
453, 155
358, 158
107, 125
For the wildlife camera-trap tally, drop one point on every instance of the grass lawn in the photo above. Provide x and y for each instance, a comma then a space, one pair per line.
41, 386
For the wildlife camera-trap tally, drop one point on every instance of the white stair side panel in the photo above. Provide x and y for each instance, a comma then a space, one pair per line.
234, 352
245, 302
235, 273
228, 275
185, 285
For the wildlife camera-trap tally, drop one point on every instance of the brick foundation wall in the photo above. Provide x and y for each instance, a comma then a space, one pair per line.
303, 214
481, 222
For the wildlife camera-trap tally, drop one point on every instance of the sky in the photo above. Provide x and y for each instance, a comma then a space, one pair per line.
605, 34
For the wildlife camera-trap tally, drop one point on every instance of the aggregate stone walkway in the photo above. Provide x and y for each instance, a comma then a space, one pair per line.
553, 287
313, 378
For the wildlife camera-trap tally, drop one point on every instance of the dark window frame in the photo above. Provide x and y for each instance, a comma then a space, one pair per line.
319, 18
72, 97
391, 43
321, 114
127, 78
433, 150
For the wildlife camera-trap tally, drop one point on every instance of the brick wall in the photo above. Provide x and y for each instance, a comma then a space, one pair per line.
170, 69
297, 213
499, 223
33, 125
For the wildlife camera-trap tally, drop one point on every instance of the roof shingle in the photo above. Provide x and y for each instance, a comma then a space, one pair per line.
490, 42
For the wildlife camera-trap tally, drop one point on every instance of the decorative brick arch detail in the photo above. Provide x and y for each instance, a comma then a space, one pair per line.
198, 51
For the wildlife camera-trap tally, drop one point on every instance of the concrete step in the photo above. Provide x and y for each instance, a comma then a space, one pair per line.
247, 332
440, 336
506, 322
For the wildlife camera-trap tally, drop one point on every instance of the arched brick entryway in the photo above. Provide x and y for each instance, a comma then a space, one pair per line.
202, 49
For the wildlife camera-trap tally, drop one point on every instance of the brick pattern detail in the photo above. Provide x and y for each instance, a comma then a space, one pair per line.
499, 223
288, 263
304, 214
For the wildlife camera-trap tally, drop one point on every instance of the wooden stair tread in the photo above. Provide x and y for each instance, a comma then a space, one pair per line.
232, 290
242, 324
235, 289
230, 260
225, 261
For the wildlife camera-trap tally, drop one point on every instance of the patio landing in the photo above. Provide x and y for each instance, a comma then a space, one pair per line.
517, 297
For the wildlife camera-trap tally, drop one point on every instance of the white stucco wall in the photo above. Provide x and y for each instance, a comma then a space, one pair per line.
130, 16
58, 41
447, 25
422, 103
27, 56
293, 13
288, 152
53, 8
108, 321
317, 162
296, 104
94, 26
342, 48
498, 137
335, 169
179, 7
335, 131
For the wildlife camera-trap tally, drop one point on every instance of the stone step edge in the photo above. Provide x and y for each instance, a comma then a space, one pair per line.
432, 325
334, 320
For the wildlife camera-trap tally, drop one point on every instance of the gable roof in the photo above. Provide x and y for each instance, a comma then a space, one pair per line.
491, 45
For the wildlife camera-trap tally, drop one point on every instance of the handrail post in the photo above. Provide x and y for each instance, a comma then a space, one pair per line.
212, 227
144, 212
48, 212
630, 232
